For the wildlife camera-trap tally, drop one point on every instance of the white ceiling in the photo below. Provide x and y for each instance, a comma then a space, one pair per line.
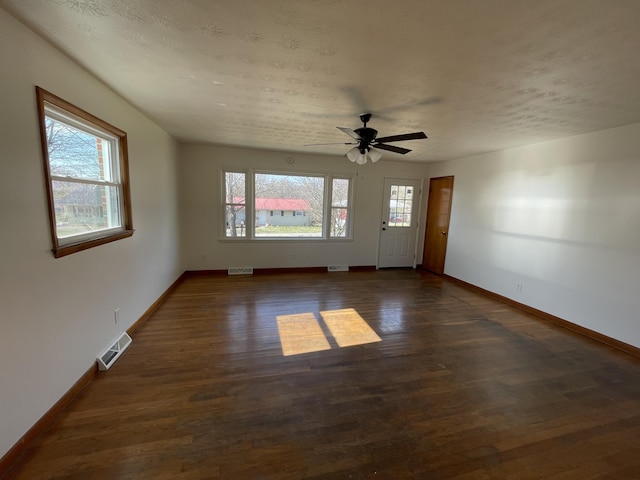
475, 75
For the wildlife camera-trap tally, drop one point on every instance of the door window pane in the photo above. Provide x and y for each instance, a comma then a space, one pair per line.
400, 204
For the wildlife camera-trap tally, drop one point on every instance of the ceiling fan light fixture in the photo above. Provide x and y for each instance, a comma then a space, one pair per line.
353, 154
362, 156
374, 155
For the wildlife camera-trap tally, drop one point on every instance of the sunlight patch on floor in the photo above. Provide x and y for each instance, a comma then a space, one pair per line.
301, 333
349, 328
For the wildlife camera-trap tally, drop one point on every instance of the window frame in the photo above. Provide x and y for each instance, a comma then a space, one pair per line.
250, 222
348, 208
224, 203
62, 247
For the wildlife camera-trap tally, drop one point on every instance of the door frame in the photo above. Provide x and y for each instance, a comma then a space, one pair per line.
418, 217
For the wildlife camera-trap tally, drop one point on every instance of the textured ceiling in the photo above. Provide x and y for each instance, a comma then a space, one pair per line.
476, 76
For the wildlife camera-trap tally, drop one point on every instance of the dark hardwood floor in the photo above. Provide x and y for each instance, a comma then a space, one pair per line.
460, 387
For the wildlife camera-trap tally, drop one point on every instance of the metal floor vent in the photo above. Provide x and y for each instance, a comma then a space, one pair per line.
109, 356
338, 268
240, 271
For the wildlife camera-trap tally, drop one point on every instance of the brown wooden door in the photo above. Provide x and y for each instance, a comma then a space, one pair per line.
437, 229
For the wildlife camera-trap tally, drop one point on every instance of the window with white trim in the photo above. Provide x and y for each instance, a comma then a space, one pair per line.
235, 212
306, 206
340, 207
86, 170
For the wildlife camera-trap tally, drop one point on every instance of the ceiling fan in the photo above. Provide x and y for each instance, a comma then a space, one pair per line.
367, 143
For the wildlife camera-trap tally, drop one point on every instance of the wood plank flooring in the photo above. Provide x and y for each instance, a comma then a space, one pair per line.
460, 387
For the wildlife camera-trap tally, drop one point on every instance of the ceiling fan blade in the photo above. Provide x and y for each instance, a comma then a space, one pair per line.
334, 143
350, 132
392, 148
399, 138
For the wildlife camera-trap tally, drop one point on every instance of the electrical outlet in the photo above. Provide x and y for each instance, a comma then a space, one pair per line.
116, 315
519, 286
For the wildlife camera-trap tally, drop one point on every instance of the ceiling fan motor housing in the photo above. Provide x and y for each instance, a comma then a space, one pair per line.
367, 136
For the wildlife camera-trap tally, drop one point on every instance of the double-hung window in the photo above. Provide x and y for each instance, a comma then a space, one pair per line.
86, 170
268, 205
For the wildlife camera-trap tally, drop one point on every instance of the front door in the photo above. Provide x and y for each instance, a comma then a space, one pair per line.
399, 227
437, 227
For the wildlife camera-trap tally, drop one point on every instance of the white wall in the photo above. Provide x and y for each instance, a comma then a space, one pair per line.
200, 180
57, 314
562, 218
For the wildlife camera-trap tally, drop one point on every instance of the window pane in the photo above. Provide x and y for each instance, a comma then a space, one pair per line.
288, 194
235, 197
400, 206
235, 189
340, 192
84, 208
87, 207
236, 225
339, 221
339, 204
76, 153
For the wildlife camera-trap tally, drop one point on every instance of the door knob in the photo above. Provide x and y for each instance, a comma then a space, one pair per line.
383, 228
443, 233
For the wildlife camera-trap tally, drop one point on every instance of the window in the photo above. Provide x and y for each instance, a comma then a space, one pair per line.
309, 206
340, 207
400, 205
86, 170
235, 211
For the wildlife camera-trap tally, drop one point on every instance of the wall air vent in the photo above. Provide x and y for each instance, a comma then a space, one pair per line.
338, 268
109, 356
240, 271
